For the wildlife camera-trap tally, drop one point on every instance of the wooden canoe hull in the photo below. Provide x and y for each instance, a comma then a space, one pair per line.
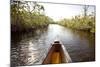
57, 54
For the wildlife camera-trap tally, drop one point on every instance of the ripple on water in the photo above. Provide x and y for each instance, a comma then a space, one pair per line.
32, 50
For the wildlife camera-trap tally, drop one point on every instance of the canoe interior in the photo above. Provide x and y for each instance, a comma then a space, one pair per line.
57, 55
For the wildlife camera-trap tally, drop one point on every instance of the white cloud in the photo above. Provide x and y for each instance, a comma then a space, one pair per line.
90, 2
60, 11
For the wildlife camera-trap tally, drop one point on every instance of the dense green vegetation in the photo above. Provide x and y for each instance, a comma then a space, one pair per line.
27, 16
80, 22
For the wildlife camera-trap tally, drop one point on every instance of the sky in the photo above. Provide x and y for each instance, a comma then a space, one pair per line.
60, 11
70, 1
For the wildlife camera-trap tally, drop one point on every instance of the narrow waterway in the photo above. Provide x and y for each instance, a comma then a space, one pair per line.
31, 48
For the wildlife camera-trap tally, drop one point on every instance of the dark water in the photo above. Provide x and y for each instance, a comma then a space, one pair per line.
31, 48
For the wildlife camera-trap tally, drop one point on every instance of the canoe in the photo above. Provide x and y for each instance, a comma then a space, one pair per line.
57, 54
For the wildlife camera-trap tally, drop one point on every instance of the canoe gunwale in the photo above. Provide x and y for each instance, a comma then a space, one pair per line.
57, 47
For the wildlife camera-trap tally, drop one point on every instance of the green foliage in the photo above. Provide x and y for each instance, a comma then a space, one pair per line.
80, 23
28, 15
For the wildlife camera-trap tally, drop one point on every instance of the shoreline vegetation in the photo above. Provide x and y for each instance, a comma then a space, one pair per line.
81, 23
84, 21
29, 16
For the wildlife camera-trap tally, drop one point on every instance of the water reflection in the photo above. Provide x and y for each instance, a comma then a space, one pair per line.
31, 48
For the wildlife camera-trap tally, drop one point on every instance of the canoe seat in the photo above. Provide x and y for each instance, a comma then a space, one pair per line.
55, 59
